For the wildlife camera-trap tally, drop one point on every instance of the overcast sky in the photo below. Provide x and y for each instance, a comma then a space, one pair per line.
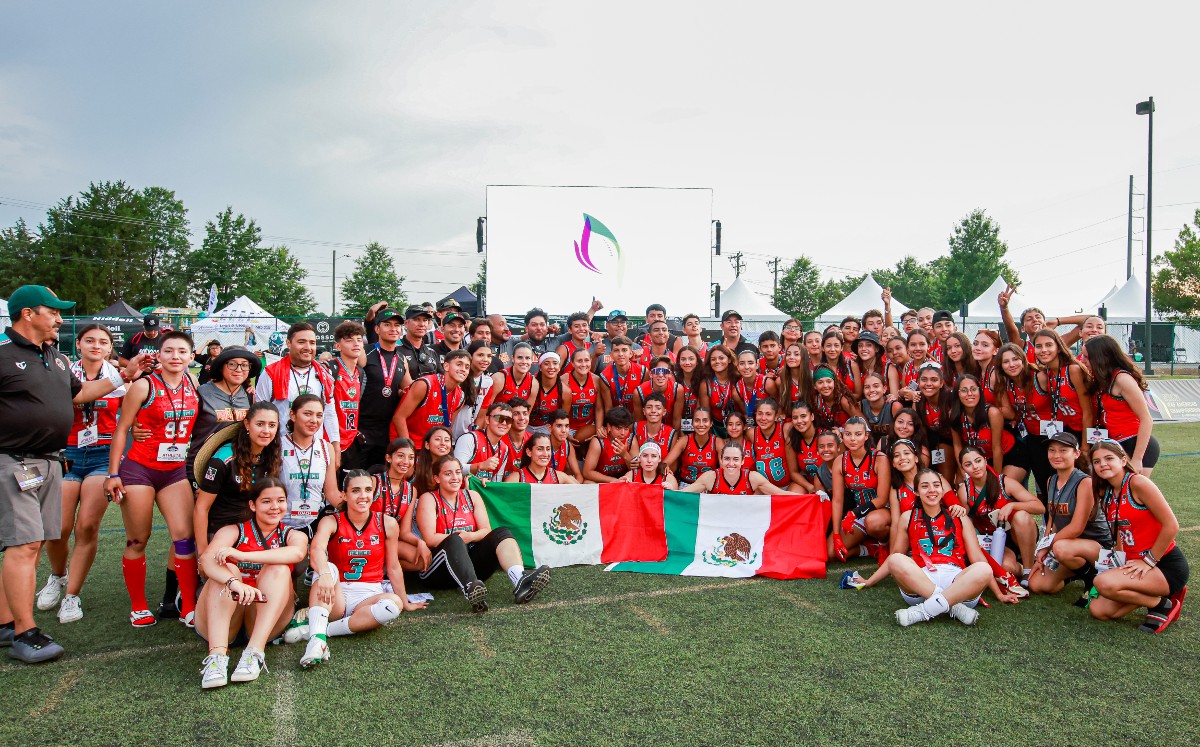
854, 133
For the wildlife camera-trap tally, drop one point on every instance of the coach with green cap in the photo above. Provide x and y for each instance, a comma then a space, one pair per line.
38, 392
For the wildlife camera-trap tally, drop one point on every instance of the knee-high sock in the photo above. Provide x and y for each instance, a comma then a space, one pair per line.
134, 571
185, 570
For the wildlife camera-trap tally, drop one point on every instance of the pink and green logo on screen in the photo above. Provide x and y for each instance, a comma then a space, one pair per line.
594, 231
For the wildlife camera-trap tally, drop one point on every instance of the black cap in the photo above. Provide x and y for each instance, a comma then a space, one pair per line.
448, 303
385, 314
454, 316
1066, 439
730, 314
412, 312
942, 316
151, 321
869, 336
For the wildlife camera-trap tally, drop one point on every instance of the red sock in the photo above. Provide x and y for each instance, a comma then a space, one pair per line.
185, 570
135, 582
998, 570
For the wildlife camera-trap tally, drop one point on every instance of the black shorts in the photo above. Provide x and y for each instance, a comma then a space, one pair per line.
1174, 568
1150, 458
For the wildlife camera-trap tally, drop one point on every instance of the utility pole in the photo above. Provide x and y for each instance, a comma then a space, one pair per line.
1129, 234
736, 261
333, 282
774, 265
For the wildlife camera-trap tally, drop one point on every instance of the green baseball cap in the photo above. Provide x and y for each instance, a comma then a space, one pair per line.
33, 296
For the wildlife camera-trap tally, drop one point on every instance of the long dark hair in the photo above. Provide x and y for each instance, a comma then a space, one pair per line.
842, 365
271, 458
1107, 359
920, 436
697, 373
526, 459
423, 471
952, 371
468, 385
991, 483
1024, 382
803, 378
978, 416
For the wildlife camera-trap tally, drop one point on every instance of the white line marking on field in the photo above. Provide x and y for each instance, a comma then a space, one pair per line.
650, 620
799, 601
285, 707
1190, 529
481, 642
55, 698
515, 738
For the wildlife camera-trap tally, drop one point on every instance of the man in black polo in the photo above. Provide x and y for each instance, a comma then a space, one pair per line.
731, 334
146, 341
37, 397
454, 333
422, 358
387, 376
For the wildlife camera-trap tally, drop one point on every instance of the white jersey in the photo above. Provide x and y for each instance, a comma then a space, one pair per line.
466, 415
303, 473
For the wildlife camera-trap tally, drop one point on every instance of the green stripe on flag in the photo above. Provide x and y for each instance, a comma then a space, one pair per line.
680, 513
508, 506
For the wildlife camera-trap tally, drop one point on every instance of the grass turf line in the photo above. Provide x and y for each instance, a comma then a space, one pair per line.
765, 662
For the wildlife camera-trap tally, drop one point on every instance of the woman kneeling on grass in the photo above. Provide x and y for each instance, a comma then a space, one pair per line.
249, 570
947, 571
359, 544
1145, 567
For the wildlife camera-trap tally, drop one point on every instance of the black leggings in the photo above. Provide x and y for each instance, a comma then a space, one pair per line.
1150, 458
455, 563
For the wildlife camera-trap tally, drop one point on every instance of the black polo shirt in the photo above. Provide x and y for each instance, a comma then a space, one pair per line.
141, 343
442, 349
375, 409
421, 361
742, 345
221, 478
36, 389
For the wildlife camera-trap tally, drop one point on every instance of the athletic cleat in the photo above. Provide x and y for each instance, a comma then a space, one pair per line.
911, 615
35, 647
297, 627
6, 635
531, 583
189, 620
214, 671
249, 666
316, 652
964, 614
71, 609
142, 618
52, 593
476, 593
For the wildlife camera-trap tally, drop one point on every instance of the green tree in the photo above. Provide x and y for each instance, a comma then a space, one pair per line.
374, 279
229, 251
976, 258
276, 282
481, 284
23, 261
1177, 285
804, 295
169, 246
912, 282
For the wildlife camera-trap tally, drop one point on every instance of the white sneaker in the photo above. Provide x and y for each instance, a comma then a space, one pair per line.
214, 671
316, 652
964, 614
71, 609
911, 615
188, 620
248, 666
52, 593
297, 627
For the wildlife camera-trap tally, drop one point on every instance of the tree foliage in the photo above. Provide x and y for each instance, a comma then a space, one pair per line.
804, 295
1177, 284
911, 281
374, 279
976, 258
276, 282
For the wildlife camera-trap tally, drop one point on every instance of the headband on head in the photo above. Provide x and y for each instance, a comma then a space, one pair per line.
928, 365
651, 446
822, 373
551, 356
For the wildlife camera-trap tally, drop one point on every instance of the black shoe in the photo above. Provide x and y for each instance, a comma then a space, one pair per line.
531, 583
476, 593
35, 647
6, 635
168, 610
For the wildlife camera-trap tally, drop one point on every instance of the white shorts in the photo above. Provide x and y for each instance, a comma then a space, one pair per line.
356, 592
941, 577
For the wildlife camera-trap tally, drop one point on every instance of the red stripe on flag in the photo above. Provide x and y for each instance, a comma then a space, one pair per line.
794, 546
631, 519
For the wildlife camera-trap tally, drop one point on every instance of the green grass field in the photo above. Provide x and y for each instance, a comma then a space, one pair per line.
630, 659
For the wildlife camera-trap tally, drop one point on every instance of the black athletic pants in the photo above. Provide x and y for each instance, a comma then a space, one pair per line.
455, 563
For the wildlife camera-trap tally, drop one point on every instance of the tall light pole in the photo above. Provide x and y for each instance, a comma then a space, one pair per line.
333, 282
1147, 108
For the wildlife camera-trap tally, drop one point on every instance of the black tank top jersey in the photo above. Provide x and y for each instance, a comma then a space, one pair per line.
878, 425
1060, 507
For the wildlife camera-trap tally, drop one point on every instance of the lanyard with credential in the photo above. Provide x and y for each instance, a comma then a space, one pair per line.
617, 383
441, 380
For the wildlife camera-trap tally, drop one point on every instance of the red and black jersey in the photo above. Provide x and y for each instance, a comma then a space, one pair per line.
583, 401
752, 394
910, 374
1064, 400
348, 387
741, 487
514, 452
546, 402
765, 368
251, 539
987, 382
612, 463
1030, 352
982, 436
860, 479
718, 398
513, 388
934, 418
103, 413
697, 459
640, 479
691, 399
646, 359
393, 499
622, 386
572, 348
647, 388
561, 456
827, 417
1135, 530
485, 450
664, 438
359, 554
168, 414
979, 505
456, 517
1116, 415
526, 475
908, 497
936, 540
769, 456
1032, 406
807, 457
935, 351
438, 407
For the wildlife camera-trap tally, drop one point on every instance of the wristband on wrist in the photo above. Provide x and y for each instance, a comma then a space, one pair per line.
229, 581
114, 475
1149, 559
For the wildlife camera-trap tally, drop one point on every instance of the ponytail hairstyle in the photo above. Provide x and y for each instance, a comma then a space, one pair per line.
352, 474
271, 458
298, 403
1107, 359
920, 436
423, 471
263, 484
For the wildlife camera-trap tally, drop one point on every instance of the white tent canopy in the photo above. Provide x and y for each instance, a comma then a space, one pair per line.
742, 299
867, 296
4, 320
1111, 291
1128, 303
984, 309
242, 322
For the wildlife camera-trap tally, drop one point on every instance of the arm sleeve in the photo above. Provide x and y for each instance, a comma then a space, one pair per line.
464, 448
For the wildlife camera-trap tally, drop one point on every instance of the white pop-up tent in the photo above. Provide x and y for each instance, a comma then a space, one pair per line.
868, 295
242, 322
985, 309
1128, 303
740, 297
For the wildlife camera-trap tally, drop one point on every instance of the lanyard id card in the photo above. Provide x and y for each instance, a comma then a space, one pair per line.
685, 425
28, 478
1096, 435
1051, 427
172, 452
1109, 559
937, 456
88, 436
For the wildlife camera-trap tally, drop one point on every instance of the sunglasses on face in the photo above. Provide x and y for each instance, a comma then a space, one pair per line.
661, 371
